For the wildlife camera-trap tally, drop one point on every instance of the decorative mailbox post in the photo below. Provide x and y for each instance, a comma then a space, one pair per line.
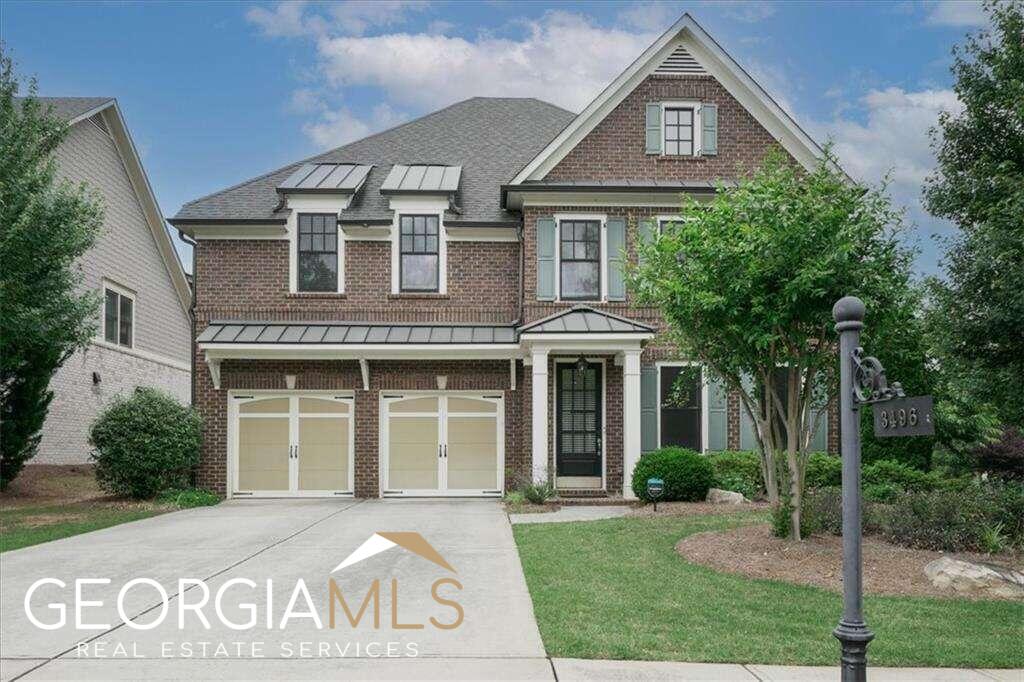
655, 489
862, 381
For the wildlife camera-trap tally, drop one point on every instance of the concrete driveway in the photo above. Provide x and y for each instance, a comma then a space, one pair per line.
284, 541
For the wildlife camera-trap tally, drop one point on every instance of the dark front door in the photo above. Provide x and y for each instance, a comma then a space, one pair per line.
578, 399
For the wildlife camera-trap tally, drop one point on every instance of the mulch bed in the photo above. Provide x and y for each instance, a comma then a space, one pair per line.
753, 552
532, 508
696, 508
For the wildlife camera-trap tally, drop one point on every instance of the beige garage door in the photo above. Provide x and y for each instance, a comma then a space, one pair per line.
293, 445
443, 444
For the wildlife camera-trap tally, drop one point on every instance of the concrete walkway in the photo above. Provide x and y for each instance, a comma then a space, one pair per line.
572, 513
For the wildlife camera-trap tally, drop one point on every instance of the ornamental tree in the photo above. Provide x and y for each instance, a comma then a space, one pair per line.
45, 225
746, 284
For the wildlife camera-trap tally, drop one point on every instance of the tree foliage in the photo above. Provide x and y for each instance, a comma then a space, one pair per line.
979, 185
45, 226
747, 282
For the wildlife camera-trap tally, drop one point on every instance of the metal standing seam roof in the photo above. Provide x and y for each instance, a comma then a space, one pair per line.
326, 177
354, 333
421, 179
585, 320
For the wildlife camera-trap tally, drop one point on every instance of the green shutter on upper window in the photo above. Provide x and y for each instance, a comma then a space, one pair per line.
648, 408
616, 241
709, 125
718, 420
652, 121
546, 242
748, 435
646, 229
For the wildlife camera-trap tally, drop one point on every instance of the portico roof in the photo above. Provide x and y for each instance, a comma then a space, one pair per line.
583, 319
353, 333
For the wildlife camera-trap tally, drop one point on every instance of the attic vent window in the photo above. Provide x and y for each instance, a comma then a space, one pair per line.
680, 62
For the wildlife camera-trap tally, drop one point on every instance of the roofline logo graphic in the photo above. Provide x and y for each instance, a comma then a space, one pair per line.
383, 541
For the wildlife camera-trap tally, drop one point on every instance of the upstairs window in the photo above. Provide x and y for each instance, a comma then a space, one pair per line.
679, 131
580, 259
419, 260
118, 317
318, 252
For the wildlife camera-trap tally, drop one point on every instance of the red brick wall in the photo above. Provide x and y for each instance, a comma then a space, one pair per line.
615, 149
248, 279
477, 375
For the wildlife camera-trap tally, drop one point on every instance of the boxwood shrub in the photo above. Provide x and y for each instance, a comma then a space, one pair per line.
688, 475
823, 470
145, 443
738, 471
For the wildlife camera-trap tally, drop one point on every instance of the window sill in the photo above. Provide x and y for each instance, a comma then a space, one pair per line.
316, 294
418, 295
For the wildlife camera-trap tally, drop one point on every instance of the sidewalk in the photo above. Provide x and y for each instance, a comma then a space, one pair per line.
577, 670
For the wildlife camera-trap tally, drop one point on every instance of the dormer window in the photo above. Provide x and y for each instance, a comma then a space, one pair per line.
318, 252
419, 253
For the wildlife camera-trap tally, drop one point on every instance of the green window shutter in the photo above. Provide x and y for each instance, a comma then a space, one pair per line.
646, 230
648, 409
819, 441
709, 124
718, 427
616, 240
653, 125
546, 238
748, 437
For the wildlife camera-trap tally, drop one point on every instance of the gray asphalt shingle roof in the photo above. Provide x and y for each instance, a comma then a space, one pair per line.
68, 108
490, 138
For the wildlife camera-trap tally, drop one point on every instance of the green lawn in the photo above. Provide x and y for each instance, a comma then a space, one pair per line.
616, 589
29, 525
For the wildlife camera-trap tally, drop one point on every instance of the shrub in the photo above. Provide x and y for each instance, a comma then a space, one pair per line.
514, 498
891, 472
1004, 457
538, 493
823, 470
189, 497
886, 493
145, 443
823, 508
688, 476
739, 471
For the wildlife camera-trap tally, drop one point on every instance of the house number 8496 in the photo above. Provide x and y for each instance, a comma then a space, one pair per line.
892, 419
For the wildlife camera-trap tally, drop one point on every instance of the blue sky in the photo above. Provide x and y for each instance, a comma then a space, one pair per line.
215, 93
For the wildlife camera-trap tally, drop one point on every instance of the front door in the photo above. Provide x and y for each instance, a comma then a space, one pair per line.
442, 444
578, 398
292, 445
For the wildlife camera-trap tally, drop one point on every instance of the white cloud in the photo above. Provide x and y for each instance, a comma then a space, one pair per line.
285, 20
956, 13
650, 16
295, 18
340, 126
358, 16
745, 11
562, 58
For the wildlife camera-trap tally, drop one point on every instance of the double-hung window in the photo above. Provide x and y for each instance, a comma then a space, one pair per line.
318, 252
580, 260
118, 317
679, 126
419, 255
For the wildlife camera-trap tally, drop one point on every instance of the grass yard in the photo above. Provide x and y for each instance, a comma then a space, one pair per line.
51, 502
616, 589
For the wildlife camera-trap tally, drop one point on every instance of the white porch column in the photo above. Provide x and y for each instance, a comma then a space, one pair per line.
630, 419
540, 414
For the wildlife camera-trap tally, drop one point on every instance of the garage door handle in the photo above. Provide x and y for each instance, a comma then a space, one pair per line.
446, 450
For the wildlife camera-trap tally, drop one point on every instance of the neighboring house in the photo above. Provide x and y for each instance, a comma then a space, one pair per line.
439, 309
144, 329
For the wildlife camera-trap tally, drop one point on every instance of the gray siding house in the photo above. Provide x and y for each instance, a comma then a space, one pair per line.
144, 330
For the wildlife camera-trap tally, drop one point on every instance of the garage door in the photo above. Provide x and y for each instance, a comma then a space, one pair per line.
442, 444
292, 445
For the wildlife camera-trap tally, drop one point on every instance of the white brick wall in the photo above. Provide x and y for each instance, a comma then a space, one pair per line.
127, 254
77, 401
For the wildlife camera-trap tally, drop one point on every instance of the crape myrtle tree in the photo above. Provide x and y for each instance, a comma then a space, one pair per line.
45, 225
979, 185
746, 284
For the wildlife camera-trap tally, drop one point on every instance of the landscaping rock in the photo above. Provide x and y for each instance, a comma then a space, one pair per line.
718, 496
980, 580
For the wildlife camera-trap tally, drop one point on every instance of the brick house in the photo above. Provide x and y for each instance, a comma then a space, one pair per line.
439, 309
144, 331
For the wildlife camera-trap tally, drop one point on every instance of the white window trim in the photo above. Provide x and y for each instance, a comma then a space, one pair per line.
396, 252
705, 396
314, 204
603, 264
126, 293
697, 127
